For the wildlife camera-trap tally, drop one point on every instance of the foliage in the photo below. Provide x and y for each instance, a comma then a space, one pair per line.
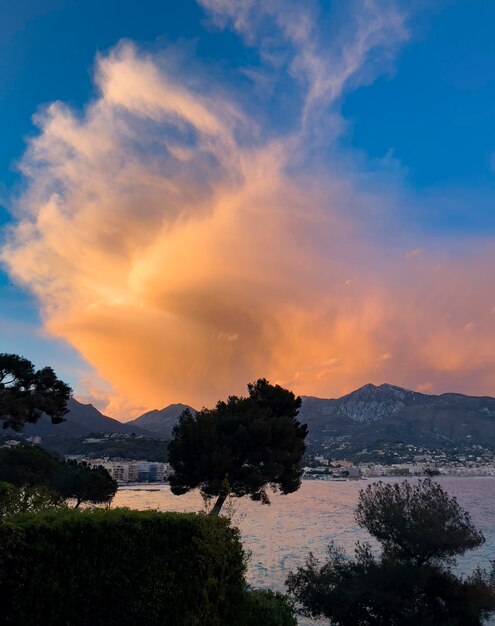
421, 529
117, 447
9, 499
28, 467
83, 483
120, 567
26, 393
262, 607
418, 522
366, 591
241, 446
15, 500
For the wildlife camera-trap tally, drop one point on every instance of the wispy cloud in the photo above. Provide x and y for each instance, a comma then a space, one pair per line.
323, 58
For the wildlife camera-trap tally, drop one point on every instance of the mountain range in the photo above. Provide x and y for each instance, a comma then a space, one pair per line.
373, 413
359, 419
84, 419
80, 421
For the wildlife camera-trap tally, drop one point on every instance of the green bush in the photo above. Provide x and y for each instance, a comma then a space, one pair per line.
262, 607
120, 567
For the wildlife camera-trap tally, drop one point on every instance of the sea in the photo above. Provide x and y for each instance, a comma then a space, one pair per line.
278, 537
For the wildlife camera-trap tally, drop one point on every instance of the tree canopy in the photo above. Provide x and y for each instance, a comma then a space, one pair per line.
241, 446
27, 393
36, 471
418, 522
81, 482
28, 466
421, 530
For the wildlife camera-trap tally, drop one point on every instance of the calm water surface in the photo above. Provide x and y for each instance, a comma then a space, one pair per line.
280, 536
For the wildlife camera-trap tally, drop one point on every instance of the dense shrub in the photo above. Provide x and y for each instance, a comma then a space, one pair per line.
120, 567
262, 607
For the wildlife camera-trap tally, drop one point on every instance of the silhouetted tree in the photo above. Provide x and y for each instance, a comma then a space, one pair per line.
28, 466
263, 607
26, 393
83, 483
35, 470
419, 523
240, 447
421, 529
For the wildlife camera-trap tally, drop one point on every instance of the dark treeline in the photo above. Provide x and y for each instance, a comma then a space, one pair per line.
132, 448
37, 479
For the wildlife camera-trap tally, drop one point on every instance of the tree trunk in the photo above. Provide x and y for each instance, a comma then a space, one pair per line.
218, 504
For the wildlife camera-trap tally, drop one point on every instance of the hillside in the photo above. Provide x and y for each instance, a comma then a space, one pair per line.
160, 422
115, 446
81, 420
375, 413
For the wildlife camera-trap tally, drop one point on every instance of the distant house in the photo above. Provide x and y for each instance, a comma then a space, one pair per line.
354, 472
11, 443
35, 439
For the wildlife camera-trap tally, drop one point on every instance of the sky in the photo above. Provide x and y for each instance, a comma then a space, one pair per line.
194, 195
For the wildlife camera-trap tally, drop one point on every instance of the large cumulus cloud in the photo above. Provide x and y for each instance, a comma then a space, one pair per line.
183, 250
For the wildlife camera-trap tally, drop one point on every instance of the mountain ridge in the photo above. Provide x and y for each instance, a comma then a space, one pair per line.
80, 421
386, 412
160, 422
359, 419
389, 412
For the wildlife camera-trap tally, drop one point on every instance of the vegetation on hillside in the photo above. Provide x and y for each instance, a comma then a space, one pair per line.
114, 447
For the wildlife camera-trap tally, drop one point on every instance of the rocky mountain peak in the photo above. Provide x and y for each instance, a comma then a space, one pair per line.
160, 422
371, 403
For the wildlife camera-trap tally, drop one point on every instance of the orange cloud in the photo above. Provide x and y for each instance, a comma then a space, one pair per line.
182, 255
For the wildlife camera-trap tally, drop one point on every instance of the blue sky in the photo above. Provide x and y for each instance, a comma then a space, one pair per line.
427, 119
434, 109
